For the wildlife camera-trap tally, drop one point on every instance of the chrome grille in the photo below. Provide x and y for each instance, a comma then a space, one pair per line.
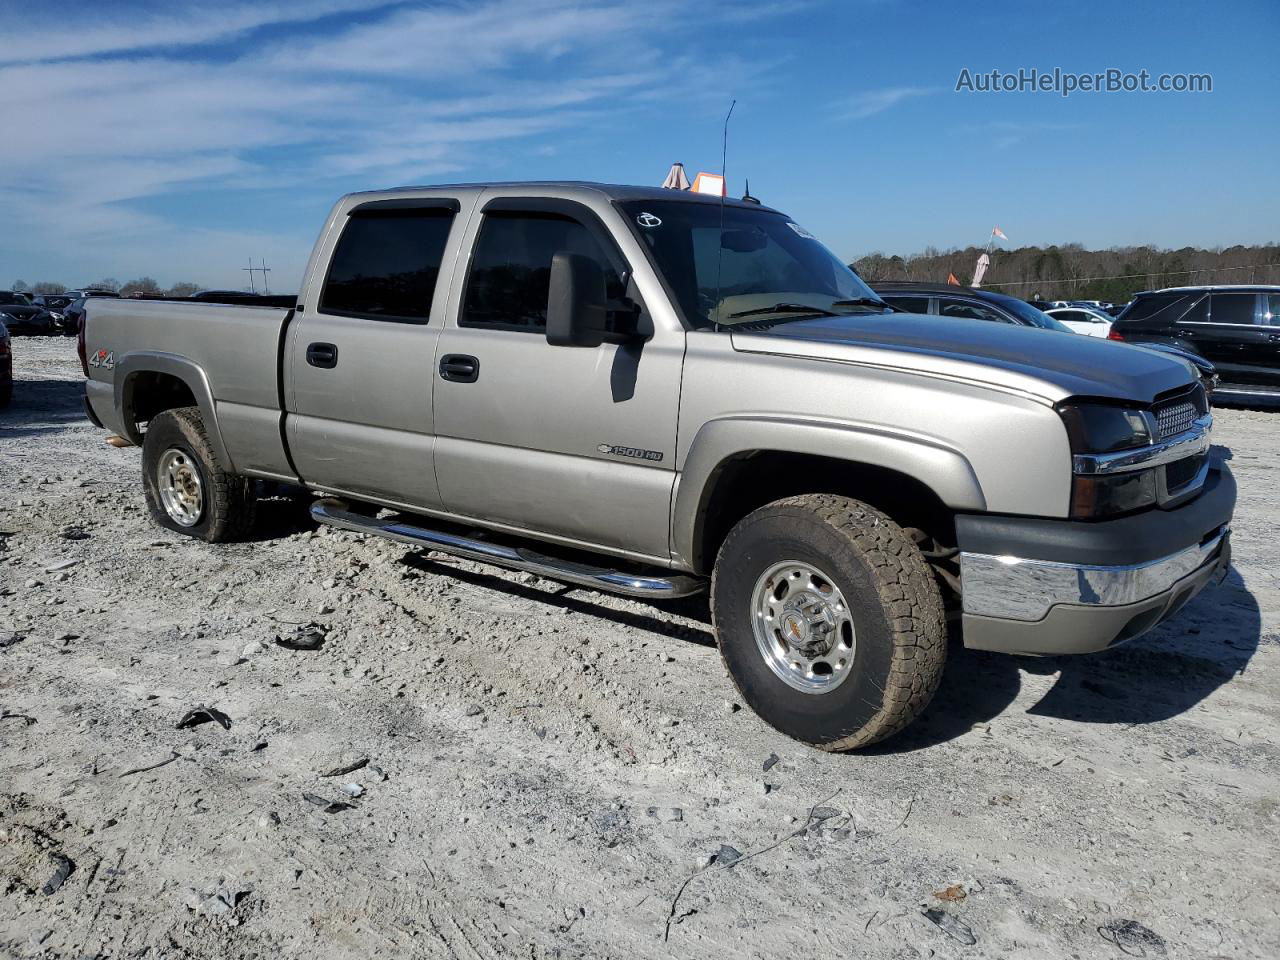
1173, 418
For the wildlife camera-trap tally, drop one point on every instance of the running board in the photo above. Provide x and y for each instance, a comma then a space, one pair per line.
335, 513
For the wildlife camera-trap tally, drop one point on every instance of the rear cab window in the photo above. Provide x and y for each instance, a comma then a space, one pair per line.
386, 263
948, 307
909, 304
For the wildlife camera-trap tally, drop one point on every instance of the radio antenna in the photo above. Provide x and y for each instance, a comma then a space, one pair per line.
724, 192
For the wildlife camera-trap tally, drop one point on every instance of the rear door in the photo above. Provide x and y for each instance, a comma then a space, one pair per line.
358, 362
1234, 337
574, 442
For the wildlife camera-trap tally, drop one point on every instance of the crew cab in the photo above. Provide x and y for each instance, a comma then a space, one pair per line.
657, 392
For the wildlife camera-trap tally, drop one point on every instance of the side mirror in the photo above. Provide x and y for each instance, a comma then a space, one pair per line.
577, 302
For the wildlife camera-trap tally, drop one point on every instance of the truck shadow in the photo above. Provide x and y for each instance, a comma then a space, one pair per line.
42, 407
1159, 676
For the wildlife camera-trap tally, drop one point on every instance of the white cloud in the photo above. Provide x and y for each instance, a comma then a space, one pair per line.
870, 102
151, 105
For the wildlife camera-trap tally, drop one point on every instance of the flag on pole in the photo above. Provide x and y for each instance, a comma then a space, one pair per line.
953, 280
980, 270
997, 232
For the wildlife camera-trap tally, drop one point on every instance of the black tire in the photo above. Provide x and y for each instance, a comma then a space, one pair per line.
228, 500
892, 598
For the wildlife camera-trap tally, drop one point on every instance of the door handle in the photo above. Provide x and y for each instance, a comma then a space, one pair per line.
459, 367
322, 355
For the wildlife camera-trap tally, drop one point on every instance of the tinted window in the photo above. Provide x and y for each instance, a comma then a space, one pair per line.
1271, 310
961, 308
511, 268
386, 263
1159, 309
909, 304
1232, 308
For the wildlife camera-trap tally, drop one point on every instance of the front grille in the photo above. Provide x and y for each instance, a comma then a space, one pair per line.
1172, 419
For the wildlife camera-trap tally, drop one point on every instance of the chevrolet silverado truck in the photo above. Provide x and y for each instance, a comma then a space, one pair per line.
655, 392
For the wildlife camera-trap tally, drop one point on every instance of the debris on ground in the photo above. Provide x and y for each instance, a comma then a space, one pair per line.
202, 714
62, 867
952, 893
952, 927
326, 806
352, 789
216, 901
349, 763
309, 636
1133, 938
726, 856
771, 762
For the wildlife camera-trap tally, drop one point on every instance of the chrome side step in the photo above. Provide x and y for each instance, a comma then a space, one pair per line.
335, 513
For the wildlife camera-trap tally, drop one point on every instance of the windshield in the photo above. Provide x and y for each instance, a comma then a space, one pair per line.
768, 267
6, 297
1029, 314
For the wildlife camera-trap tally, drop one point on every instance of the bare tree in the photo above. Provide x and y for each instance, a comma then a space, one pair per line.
142, 287
20, 286
109, 283
184, 289
47, 287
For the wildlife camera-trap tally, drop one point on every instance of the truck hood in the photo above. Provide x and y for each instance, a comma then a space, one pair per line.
1045, 363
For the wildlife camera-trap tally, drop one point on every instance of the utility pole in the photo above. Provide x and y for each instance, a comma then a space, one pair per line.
264, 270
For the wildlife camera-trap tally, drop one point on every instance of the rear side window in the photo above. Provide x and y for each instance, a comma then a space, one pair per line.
1161, 309
960, 308
511, 269
386, 264
1237, 308
909, 304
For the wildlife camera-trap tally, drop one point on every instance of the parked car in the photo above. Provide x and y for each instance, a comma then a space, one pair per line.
657, 393
22, 317
1237, 328
73, 317
949, 300
55, 304
1090, 321
6, 367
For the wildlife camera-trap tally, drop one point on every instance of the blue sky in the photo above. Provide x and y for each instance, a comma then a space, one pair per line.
177, 140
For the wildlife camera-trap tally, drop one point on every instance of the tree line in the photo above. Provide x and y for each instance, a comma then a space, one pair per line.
1069, 271
142, 287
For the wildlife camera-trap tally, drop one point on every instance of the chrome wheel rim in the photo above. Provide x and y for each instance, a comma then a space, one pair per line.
803, 627
181, 490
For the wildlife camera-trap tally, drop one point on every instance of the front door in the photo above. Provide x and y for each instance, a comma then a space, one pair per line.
359, 360
574, 442
1234, 337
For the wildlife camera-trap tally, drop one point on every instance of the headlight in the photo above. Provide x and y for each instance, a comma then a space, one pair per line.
1095, 428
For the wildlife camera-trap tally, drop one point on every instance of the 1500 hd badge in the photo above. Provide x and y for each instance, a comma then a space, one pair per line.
634, 453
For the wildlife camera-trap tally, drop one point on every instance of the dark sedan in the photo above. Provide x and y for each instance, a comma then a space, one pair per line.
21, 316
6, 367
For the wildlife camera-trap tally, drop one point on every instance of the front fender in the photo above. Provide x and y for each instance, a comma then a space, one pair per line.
941, 468
127, 369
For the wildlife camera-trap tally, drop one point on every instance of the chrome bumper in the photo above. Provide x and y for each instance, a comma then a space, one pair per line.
1013, 588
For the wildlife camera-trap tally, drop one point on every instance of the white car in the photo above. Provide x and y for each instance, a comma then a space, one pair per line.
1086, 320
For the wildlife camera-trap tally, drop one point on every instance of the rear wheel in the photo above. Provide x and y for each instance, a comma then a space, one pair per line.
186, 490
829, 620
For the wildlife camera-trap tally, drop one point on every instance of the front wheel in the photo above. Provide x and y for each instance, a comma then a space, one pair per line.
186, 490
829, 620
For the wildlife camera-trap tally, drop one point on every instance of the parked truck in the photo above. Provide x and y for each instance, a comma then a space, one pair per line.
656, 393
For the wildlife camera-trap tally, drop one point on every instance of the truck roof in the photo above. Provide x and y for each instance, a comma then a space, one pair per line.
569, 189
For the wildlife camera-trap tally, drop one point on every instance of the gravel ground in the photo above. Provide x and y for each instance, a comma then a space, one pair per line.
546, 766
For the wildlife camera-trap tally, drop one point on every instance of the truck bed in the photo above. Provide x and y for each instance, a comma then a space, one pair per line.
232, 351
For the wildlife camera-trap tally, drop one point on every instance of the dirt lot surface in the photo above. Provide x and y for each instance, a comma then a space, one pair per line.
542, 768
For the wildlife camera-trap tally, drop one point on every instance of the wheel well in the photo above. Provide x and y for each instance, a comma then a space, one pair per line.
150, 393
748, 481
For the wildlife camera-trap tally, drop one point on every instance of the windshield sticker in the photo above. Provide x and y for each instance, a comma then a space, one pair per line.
800, 231
648, 220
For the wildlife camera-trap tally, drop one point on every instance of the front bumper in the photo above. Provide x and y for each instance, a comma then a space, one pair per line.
1060, 587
